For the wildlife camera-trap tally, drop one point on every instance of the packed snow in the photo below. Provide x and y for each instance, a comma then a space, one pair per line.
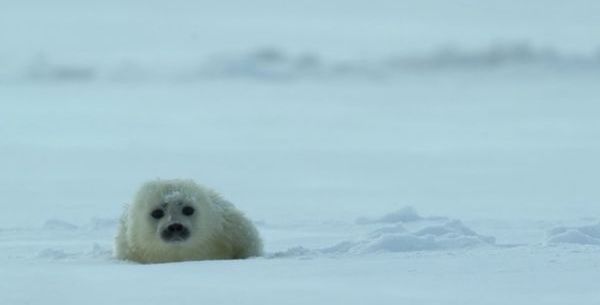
273, 64
389, 152
439, 234
585, 235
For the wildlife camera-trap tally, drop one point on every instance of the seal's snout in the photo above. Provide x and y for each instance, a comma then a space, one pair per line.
175, 232
176, 227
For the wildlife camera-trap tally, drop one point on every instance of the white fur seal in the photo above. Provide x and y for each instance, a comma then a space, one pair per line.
179, 220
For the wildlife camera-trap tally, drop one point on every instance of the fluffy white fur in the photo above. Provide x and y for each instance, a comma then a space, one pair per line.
217, 229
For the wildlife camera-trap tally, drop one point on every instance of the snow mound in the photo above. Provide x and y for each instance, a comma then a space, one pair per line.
54, 254
293, 252
583, 235
452, 234
401, 231
97, 251
71, 73
56, 224
406, 214
95, 224
104, 224
277, 64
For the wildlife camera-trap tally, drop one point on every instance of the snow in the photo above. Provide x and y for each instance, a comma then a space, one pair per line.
389, 152
411, 235
279, 65
405, 214
585, 235
74, 266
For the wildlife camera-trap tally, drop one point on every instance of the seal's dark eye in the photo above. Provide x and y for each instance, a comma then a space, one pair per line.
187, 211
157, 214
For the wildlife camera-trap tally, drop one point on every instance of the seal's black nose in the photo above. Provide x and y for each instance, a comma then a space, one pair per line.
175, 232
176, 227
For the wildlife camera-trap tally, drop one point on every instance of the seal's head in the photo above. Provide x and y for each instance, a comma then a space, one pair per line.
172, 213
179, 220
173, 220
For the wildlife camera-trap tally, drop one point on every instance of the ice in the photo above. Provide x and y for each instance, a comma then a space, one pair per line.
321, 119
42, 70
446, 235
54, 254
417, 234
56, 224
277, 65
583, 235
100, 252
406, 214
417, 253
104, 223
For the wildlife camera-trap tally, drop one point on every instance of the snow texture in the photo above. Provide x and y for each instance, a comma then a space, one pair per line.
584, 235
322, 120
404, 215
275, 64
435, 234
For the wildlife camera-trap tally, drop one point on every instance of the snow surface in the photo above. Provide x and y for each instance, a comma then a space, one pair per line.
426, 261
390, 152
589, 234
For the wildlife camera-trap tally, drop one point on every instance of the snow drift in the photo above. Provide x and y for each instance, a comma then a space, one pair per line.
583, 235
402, 231
277, 64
